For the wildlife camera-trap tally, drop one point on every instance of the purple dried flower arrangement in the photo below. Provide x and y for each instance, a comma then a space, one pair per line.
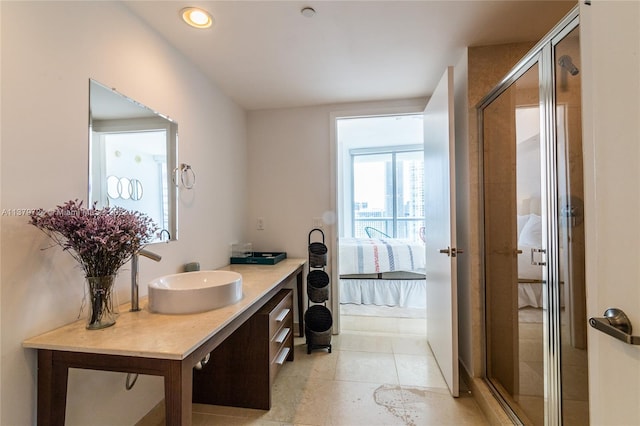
101, 240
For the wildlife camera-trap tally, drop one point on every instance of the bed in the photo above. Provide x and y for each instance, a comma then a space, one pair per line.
382, 271
391, 272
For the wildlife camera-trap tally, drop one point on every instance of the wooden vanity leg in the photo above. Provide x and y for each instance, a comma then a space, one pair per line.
178, 383
52, 389
300, 302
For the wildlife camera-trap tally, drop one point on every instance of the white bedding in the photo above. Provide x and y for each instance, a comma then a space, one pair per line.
373, 255
360, 256
403, 293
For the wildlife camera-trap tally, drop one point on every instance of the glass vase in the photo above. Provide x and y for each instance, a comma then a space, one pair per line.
103, 308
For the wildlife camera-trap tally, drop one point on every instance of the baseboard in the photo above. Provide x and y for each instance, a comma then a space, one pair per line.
490, 406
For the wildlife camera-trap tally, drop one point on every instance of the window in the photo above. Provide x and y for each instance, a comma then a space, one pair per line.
388, 197
380, 174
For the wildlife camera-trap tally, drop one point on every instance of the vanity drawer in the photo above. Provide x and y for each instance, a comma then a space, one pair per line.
282, 313
283, 353
280, 332
281, 338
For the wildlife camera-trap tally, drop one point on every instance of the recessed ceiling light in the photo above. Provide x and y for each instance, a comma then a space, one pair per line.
196, 17
308, 12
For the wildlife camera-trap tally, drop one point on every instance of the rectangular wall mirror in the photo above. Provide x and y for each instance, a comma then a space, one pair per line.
132, 158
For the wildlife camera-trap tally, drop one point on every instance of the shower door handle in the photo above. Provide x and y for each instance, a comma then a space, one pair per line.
533, 260
616, 324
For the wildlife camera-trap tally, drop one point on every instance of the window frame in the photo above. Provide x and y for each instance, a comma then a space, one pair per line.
393, 150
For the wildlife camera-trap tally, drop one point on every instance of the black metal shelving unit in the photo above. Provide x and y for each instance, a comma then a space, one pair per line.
318, 319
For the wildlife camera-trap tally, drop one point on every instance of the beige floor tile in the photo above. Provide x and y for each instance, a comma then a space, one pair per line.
419, 370
358, 384
287, 394
413, 326
316, 397
318, 364
200, 419
364, 343
356, 404
224, 411
424, 407
374, 324
366, 367
389, 325
410, 345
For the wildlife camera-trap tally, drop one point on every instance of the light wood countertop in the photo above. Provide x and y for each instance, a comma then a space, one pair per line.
150, 335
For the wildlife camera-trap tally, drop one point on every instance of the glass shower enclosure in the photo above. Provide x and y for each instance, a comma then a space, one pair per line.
535, 314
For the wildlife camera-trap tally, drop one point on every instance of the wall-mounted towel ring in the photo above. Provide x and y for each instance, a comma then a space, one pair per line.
187, 176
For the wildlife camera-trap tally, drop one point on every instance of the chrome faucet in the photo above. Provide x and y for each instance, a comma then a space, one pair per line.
134, 275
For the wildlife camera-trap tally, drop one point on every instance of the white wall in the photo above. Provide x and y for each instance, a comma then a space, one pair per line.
49, 52
290, 166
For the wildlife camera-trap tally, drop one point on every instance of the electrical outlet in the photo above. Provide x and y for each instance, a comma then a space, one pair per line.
260, 224
317, 222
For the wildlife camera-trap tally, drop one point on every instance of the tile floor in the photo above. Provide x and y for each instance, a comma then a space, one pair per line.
370, 378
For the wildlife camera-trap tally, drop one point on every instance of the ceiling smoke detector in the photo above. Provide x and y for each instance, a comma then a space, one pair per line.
308, 12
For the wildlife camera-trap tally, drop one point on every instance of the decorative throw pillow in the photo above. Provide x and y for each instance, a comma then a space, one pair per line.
531, 234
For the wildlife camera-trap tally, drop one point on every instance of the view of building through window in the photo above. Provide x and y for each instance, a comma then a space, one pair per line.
388, 197
383, 176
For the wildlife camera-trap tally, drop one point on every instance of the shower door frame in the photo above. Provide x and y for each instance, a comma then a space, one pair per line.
542, 54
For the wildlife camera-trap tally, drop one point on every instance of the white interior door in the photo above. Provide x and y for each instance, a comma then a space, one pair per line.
441, 250
610, 41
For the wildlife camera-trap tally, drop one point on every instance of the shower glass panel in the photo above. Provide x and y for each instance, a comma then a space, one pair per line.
535, 301
513, 218
575, 397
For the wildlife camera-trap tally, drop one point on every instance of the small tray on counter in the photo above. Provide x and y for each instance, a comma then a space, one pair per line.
260, 258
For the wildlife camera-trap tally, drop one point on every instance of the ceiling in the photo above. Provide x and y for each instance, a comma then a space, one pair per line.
266, 54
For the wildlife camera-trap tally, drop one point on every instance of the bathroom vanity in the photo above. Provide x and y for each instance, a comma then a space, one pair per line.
171, 345
240, 372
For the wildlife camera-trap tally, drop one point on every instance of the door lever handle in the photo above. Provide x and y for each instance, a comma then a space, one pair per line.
616, 324
451, 251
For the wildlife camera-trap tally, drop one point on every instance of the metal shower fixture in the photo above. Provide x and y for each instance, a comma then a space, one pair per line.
566, 63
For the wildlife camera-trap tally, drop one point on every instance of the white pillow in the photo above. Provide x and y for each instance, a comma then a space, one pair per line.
522, 221
531, 234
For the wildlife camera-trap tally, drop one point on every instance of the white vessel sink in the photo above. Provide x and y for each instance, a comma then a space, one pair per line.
192, 292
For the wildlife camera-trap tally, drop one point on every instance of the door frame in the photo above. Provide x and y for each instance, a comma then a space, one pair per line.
369, 109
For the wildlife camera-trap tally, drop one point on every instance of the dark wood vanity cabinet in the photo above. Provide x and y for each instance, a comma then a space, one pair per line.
241, 370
